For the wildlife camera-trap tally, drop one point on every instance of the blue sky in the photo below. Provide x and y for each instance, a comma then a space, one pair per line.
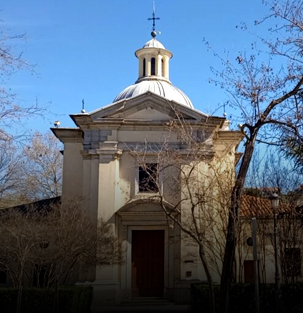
85, 49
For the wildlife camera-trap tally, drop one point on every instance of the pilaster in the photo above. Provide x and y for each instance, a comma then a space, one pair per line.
108, 182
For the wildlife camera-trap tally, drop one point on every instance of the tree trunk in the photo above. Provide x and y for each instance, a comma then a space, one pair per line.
232, 227
19, 298
20, 289
212, 303
56, 297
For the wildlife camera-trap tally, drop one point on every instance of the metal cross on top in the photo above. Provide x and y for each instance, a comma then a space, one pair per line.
154, 18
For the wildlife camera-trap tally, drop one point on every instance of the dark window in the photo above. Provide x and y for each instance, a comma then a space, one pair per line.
148, 178
144, 62
162, 67
153, 66
40, 277
3, 277
293, 262
249, 271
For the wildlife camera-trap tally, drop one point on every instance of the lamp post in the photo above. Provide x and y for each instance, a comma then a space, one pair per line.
256, 269
274, 198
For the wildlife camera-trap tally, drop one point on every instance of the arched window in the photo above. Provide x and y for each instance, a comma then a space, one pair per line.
144, 62
153, 66
162, 67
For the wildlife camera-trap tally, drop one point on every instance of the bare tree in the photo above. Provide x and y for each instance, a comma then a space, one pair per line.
31, 173
11, 112
21, 237
45, 244
265, 91
192, 184
10, 173
290, 245
270, 175
42, 164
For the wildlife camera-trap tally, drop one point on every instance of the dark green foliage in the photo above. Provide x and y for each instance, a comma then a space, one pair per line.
293, 297
242, 298
8, 299
36, 300
253, 192
199, 297
32, 298
292, 146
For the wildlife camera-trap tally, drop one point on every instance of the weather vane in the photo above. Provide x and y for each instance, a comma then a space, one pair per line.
154, 18
83, 109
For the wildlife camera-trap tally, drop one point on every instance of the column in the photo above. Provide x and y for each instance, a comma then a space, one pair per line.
165, 61
141, 67
159, 65
148, 66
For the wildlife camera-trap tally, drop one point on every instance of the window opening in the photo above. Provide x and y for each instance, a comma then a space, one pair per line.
3, 277
40, 276
148, 178
153, 66
293, 262
144, 62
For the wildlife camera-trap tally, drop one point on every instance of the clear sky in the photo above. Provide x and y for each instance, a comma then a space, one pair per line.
85, 49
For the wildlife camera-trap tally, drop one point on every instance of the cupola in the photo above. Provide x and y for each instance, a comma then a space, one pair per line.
154, 73
153, 60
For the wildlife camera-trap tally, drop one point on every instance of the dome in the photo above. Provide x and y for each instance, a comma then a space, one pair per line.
154, 75
153, 43
159, 87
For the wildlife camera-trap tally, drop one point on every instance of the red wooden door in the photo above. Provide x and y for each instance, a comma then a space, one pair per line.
147, 263
249, 271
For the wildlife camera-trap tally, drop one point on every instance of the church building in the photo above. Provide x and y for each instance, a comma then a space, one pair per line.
103, 166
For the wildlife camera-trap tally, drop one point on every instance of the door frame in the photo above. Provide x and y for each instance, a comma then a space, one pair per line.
129, 253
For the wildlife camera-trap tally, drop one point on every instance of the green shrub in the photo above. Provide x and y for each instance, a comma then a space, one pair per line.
242, 298
37, 300
292, 297
75, 299
200, 298
72, 299
8, 299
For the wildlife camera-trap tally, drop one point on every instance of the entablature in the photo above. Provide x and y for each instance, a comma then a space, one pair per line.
68, 134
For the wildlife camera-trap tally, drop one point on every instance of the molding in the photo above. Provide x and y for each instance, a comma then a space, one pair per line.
68, 134
141, 213
234, 135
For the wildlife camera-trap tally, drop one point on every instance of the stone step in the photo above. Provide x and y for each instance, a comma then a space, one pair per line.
144, 305
149, 301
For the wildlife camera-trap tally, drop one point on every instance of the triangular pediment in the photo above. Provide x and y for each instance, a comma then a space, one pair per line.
148, 106
149, 113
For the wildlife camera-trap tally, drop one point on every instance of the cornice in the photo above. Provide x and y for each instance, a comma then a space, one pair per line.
68, 134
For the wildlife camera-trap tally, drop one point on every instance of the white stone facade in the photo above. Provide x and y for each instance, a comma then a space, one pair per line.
101, 166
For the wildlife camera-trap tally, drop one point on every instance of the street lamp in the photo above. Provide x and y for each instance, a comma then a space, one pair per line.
274, 198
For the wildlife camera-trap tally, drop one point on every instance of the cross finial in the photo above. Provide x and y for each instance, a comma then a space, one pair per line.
154, 18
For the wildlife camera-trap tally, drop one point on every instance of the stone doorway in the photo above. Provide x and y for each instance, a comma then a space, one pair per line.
147, 263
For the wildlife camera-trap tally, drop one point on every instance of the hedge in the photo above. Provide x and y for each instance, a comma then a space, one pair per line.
74, 299
242, 298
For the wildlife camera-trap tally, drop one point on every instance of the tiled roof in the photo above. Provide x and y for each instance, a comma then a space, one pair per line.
260, 207
252, 206
41, 206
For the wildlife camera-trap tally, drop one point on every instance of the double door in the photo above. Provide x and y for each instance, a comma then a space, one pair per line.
147, 263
